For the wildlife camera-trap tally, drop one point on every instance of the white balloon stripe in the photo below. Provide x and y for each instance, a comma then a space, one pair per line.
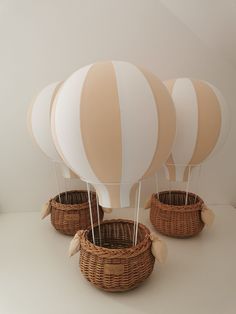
102, 191
40, 122
187, 124
138, 112
125, 194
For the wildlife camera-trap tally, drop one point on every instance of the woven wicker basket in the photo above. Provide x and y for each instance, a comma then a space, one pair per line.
170, 216
72, 213
115, 264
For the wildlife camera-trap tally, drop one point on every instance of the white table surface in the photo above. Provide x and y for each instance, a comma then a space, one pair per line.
38, 277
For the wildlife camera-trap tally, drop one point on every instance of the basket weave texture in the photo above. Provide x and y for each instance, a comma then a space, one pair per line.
114, 264
72, 213
170, 216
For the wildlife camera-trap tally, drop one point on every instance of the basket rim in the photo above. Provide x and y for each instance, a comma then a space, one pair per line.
62, 206
142, 246
178, 208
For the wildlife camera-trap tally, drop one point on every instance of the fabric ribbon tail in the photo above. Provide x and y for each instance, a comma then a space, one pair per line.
207, 216
46, 210
159, 249
74, 244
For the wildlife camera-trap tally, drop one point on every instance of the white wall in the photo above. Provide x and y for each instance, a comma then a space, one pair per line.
44, 41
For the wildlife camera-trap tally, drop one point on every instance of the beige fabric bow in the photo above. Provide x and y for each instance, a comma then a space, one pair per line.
46, 210
75, 244
159, 248
207, 216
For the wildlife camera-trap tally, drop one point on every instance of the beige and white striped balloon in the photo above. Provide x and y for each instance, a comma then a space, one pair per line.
39, 125
114, 124
202, 124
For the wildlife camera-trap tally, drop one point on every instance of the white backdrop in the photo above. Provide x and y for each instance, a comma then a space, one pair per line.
44, 41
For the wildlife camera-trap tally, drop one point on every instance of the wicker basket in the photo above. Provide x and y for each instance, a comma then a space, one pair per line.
71, 212
170, 216
114, 264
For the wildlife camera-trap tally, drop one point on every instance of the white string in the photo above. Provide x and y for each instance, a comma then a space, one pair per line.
99, 226
137, 213
66, 190
90, 212
198, 179
57, 181
187, 187
135, 208
157, 185
170, 187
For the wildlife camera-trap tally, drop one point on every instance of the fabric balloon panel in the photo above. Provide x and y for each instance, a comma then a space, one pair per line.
106, 122
39, 125
201, 125
39, 121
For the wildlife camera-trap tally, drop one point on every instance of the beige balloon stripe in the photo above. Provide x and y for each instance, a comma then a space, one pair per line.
166, 122
209, 123
102, 145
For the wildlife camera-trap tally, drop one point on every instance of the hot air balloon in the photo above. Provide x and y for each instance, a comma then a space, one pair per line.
39, 125
114, 124
202, 125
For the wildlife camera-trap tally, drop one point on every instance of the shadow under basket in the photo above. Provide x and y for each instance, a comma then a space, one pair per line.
170, 216
70, 212
114, 264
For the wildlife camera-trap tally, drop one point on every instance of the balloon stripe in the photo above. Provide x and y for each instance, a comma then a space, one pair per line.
40, 122
209, 122
166, 122
225, 117
101, 131
138, 113
185, 100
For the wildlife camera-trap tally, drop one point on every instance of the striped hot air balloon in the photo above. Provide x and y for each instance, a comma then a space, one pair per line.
202, 124
114, 124
39, 125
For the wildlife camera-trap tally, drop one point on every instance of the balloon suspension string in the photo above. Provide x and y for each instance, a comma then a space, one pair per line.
57, 181
99, 221
198, 184
137, 214
187, 186
90, 211
170, 196
65, 183
135, 207
157, 185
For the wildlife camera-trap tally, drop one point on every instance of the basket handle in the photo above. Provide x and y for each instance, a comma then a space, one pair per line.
159, 248
46, 209
207, 215
75, 243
